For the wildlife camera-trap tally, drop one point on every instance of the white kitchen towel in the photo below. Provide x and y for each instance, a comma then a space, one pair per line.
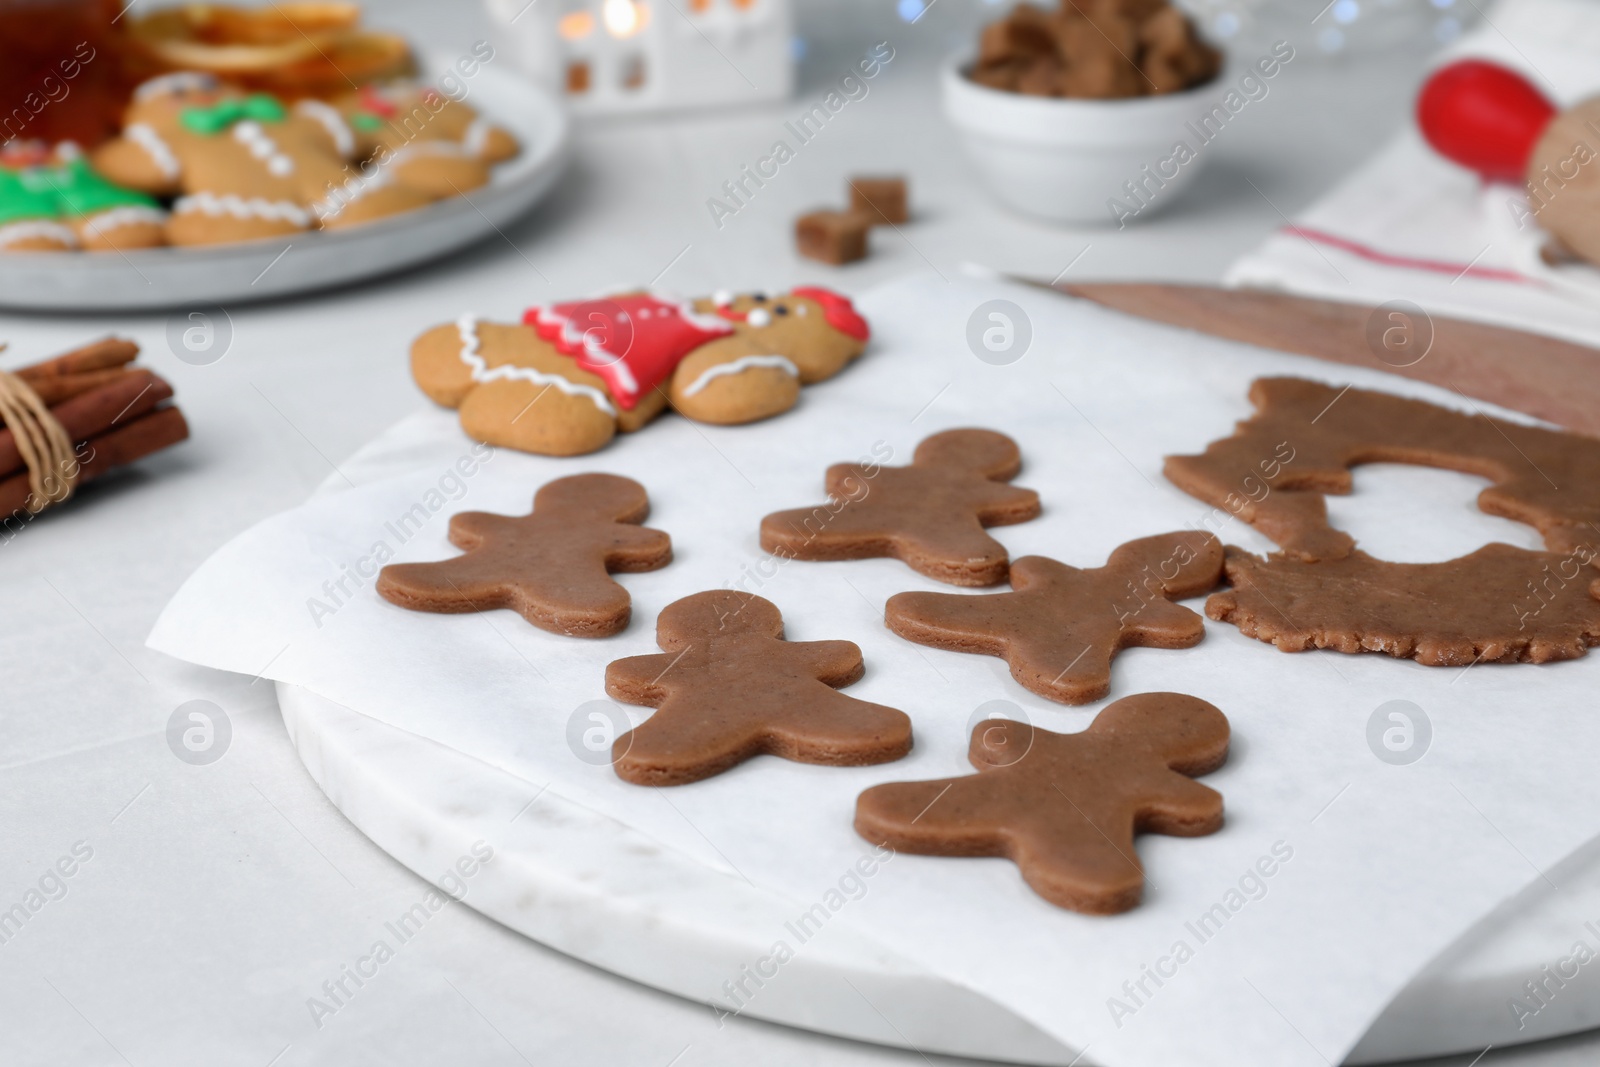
1275, 942
1410, 225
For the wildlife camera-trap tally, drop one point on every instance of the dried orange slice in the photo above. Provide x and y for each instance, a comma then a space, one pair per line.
294, 49
279, 22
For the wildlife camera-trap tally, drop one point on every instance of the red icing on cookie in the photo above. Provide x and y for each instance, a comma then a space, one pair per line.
634, 342
839, 312
374, 101
20, 154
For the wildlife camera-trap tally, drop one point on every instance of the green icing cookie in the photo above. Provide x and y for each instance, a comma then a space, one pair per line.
20, 200
66, 190
210, 121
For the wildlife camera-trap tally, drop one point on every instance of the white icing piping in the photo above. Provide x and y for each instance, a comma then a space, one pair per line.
624, 374
240, 208
14, 232
467, 327
160, 153
476, 138
344, 139
261, 145
166, 83
707, 321
129, 215
743, 363
424, 148
594, 350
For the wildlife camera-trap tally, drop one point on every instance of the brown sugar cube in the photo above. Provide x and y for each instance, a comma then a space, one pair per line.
1103, 76
1174, 58
1199, 63
1135, 11
1026, 32
1115, 31
1098, 48
1166, 31
1044, 76
1106, 78
1002, 75
995, 45
1167, 67
835, 237
1094, 49
1140, 10
881, 199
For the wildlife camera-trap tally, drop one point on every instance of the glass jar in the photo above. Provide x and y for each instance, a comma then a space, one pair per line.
61, 76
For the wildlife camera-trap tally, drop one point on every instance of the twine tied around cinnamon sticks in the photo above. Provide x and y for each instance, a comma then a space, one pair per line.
73, 418
43, 442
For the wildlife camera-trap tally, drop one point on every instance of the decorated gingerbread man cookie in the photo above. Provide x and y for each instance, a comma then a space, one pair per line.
1066, 807
552, 567
247, 166
51, 200
727, 687
1060, 626
572, 375
931, 514
424, 138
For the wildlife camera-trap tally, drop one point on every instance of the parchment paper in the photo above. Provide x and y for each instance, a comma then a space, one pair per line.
1374, 867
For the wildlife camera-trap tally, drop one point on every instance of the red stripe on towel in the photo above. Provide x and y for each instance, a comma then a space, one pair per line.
1459, 270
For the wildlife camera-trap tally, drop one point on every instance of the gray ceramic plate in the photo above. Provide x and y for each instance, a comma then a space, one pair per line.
259, 270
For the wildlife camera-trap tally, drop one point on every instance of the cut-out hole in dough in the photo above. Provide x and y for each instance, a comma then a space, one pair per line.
1409, 514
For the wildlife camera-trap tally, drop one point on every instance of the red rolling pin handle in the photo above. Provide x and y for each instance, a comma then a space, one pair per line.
1483, 116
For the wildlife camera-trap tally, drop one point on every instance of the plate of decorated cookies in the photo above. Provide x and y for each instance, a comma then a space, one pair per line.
236, 168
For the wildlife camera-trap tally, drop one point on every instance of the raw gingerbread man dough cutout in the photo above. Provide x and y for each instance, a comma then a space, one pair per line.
1060, 626
552, 567
1065, 807
727, 687
930, 515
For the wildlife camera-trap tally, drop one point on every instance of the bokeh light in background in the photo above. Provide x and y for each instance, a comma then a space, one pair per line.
1336, 28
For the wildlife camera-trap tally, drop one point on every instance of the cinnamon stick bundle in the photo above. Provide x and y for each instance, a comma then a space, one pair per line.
113, 413
131, 441
54, 389
127, 396
105, 354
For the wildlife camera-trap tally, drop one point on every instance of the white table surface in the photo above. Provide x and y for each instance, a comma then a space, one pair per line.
219, 898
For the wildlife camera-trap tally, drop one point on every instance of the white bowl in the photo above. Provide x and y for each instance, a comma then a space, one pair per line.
1070, 160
